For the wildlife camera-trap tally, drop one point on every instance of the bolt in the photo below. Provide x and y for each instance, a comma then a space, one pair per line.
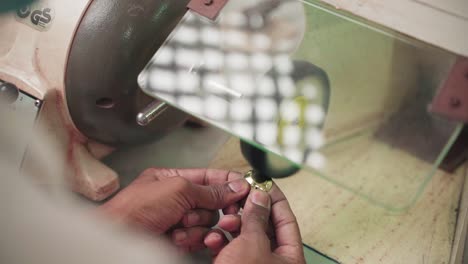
208, 2
9, 93
37, 103
455, 102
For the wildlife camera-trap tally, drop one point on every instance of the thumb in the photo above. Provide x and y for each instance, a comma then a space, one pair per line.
219, 196
256, 212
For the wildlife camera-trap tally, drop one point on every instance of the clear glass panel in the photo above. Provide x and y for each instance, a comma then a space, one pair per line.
324, 90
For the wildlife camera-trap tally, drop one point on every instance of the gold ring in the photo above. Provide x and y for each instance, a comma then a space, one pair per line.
263, 186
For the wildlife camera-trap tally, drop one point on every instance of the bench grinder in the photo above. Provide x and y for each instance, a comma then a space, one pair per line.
301, 80
74, 65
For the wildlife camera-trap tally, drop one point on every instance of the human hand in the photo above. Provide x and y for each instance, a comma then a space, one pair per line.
186, 200
258, 241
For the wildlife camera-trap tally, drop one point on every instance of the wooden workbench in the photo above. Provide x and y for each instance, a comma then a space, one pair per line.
349, 229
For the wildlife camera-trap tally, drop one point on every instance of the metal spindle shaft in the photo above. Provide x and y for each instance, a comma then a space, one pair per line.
150, 112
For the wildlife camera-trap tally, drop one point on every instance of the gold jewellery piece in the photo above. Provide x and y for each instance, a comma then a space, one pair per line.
263, 186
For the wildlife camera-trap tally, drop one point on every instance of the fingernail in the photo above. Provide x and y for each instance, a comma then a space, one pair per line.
213, 238
239, 185
180, 236
261, 198
193, 219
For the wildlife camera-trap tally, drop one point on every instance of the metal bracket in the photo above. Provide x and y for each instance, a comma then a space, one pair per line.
207, 8
458, 154
452, 99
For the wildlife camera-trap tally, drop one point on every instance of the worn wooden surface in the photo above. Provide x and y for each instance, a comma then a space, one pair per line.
460, 246
351, 230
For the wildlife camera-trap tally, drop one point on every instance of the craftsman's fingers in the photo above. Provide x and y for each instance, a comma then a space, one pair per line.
197, 176
256, 213
192, 237
148, 175
216, 196
215, 240
191, 249
231, 209
209, 176
231, 224
286, 229
200, 217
